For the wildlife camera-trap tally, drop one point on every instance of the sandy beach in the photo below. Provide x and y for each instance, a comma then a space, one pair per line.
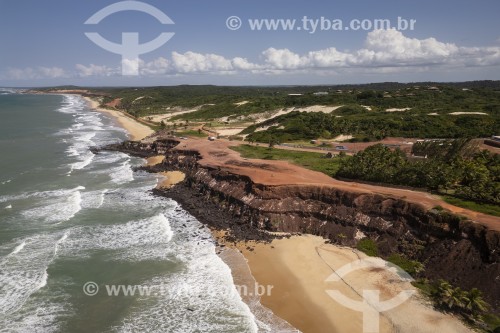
136, 130
298, 267
171, 178
153, 160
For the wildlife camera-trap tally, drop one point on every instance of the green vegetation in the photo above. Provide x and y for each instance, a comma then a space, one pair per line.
370, 126
143, 101
429, 114
469, 305
368, 246
310, 160
478, 207
231, 110
197, 134
492, 321
412, 267
349, 110
453, 168
235, 138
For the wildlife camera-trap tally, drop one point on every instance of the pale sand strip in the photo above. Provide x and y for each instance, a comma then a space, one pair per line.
153, 160
136, 130
298, 267
171, 178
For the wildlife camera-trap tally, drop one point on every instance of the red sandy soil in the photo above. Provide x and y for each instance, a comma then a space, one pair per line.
494, 150
216, 154
114, 103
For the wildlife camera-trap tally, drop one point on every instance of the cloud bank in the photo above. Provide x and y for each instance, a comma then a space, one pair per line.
383, 51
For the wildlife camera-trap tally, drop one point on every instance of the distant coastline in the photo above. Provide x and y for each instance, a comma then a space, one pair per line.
136, 130
268, 261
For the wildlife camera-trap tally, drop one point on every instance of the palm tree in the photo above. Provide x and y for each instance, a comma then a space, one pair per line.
444, 289
475, 302
449, 296
457, 298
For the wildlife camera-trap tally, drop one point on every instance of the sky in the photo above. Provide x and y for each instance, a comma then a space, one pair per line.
43, 43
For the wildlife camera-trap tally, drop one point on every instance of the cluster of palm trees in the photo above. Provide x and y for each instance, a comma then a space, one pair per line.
470, 304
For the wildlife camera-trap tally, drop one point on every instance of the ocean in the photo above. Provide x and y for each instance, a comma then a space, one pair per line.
71, 221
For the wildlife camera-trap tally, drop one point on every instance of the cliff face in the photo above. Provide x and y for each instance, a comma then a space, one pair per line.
460, 251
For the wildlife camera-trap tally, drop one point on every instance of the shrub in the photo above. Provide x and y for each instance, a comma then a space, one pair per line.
368, 246
410, 266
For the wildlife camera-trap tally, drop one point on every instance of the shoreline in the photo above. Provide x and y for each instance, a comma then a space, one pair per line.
297, 272
236, 261
298, 265
136, 130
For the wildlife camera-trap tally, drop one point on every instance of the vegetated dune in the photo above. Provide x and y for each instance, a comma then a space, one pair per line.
397, 109
176, 111
261, 117
466, 113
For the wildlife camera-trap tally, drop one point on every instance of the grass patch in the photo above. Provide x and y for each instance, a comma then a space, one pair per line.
478, 207
427, 288
368, 246
409, 266
493, 322
309, 160
191, 133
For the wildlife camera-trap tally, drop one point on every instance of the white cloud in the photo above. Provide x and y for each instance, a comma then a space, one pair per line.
282, 59
191, 62
94, 70
244, 65
384, 51
386, 48
156, 67
328, 58
30, 73
480, 56
52, 72
392, 48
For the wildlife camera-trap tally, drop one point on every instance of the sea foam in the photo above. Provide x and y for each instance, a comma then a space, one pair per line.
24, 270
58, 206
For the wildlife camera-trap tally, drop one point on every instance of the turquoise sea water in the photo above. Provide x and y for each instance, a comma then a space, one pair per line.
69, 217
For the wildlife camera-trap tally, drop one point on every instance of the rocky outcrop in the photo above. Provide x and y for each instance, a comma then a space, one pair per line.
451, 248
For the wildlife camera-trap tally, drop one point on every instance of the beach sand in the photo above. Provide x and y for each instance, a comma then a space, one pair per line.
153, 160
171, 178
298, 267
295, 270
136, 130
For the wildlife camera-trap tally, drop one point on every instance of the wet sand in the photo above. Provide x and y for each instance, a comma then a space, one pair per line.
136, 130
